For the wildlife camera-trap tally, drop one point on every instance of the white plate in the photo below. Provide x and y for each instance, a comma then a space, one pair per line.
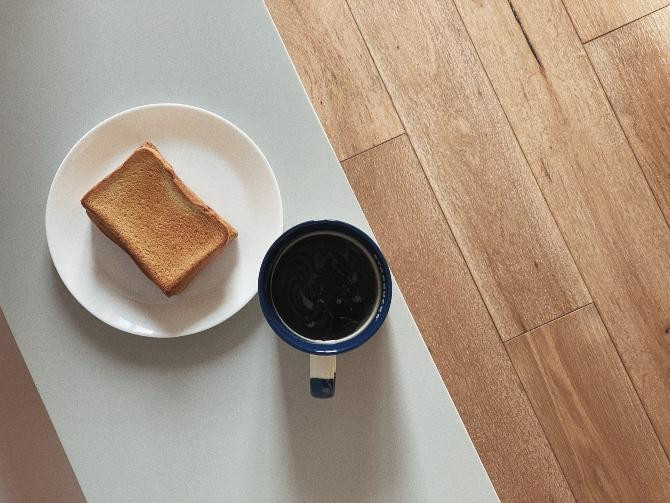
215, 159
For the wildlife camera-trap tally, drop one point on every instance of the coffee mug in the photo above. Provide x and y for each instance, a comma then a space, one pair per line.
325, 288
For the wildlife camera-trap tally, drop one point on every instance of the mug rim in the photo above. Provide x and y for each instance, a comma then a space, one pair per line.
278, 325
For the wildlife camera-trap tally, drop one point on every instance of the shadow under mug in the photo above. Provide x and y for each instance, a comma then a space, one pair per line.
322, 352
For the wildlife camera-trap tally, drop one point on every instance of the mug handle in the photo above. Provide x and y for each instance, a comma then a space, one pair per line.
322, 376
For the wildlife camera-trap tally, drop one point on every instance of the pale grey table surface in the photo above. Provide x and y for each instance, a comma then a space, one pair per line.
224, 415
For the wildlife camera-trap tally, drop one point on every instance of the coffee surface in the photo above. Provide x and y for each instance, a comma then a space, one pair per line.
324, 287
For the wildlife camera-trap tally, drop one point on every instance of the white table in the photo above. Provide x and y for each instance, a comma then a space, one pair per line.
224, 415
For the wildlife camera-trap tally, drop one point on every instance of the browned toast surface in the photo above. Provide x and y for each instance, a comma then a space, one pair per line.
146, 209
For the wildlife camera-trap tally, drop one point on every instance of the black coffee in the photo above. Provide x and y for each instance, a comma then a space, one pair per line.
325, 286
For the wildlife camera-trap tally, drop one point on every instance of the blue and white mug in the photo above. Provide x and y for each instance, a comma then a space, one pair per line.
323, 352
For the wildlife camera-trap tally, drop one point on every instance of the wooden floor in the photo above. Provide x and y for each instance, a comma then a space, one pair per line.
513, 159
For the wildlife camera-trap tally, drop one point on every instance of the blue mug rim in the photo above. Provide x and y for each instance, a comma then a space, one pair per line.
280, 328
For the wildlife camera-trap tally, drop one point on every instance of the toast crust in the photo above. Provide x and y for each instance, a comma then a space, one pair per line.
104, 213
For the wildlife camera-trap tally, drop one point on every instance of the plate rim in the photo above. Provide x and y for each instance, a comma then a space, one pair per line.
157, 334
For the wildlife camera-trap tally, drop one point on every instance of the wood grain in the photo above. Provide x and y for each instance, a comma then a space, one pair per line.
590, 412
473, 162
411, 229
589, 177
634, 68
337, 72
593, 18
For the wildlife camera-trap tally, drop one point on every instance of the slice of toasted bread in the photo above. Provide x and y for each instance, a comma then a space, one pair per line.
169, 232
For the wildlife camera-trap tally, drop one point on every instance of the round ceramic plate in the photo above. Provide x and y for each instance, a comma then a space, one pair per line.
219, 163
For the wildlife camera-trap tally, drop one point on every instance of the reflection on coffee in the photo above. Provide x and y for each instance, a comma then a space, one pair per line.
325, 286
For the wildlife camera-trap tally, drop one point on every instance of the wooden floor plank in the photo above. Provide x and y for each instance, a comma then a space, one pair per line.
589, 177
633, 66
412, 231
337, 72
590, 411
593, 18
473, 162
